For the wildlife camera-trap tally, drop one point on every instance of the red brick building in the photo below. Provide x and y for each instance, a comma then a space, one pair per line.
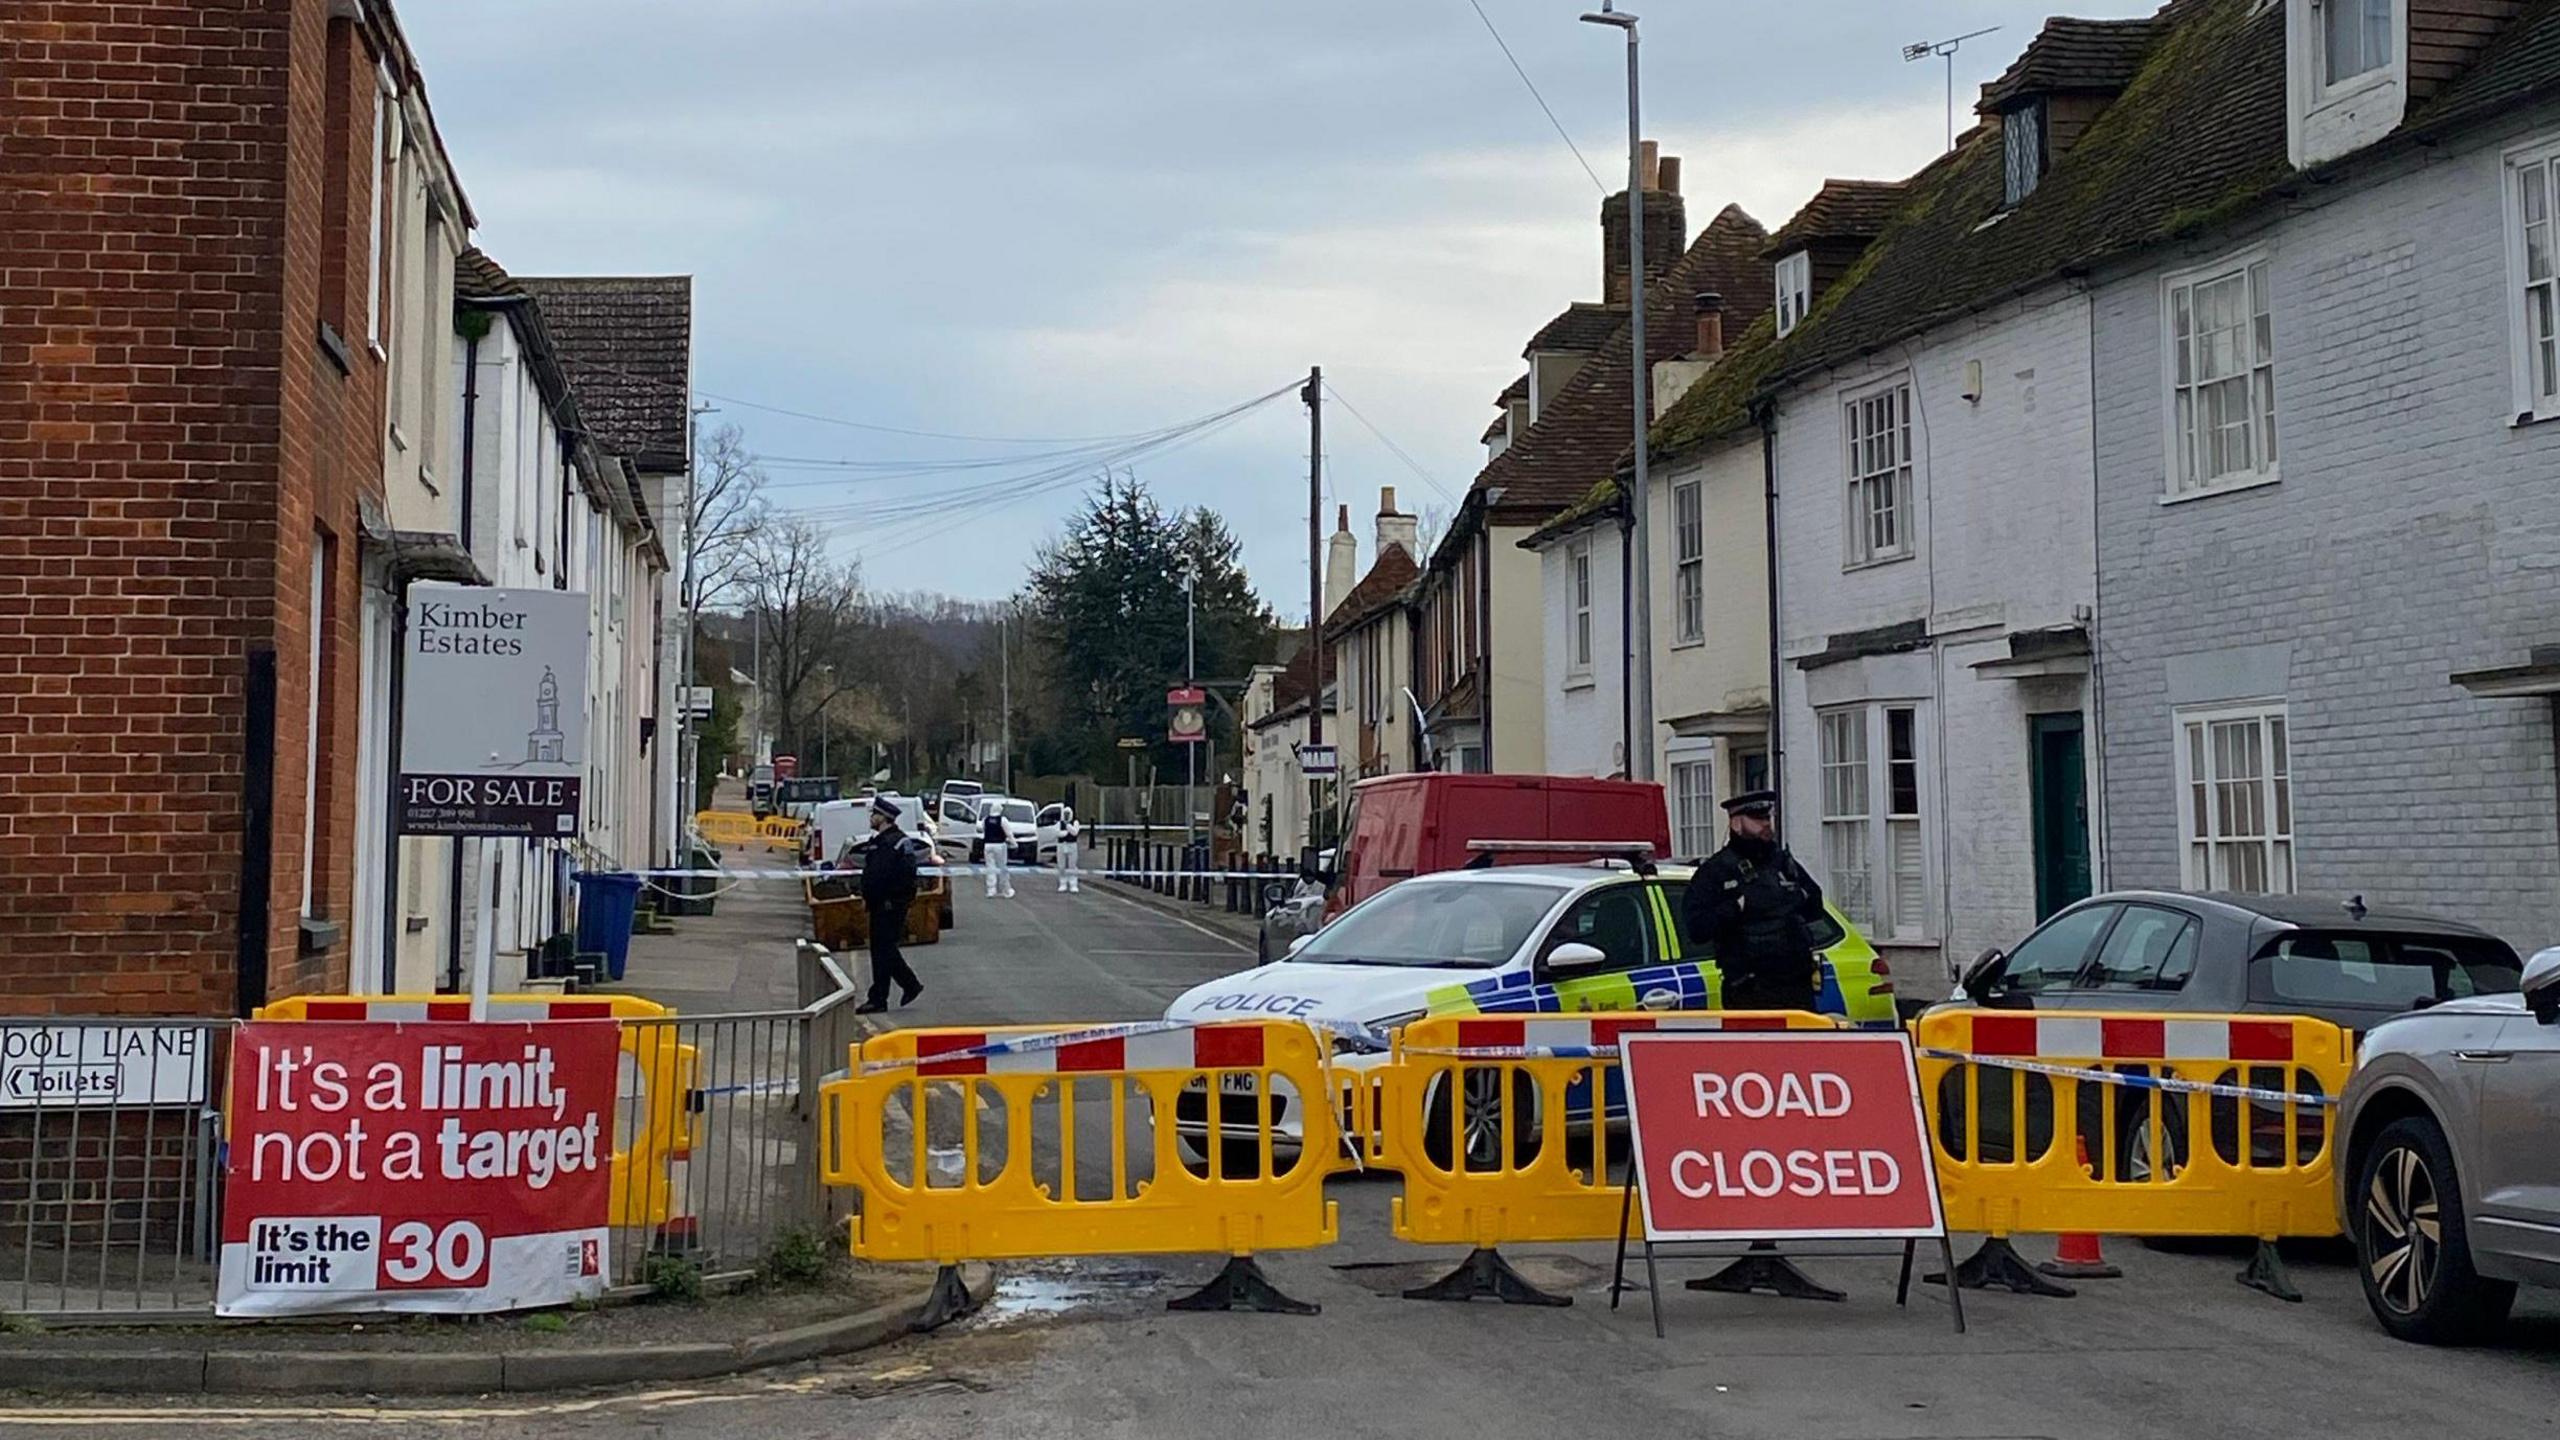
191, 461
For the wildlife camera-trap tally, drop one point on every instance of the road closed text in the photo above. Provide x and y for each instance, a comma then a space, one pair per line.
1770, 1135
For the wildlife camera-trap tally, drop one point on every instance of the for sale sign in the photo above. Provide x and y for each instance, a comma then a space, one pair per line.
449, 1168
493, 729
1770, 1135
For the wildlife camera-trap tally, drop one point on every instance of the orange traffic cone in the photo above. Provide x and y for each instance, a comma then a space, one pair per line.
2076, 1254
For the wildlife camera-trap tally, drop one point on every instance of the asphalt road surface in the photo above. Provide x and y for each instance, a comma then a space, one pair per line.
2174, 1349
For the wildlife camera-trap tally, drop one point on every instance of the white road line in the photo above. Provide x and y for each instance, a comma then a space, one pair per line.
1178, 920
1151, 952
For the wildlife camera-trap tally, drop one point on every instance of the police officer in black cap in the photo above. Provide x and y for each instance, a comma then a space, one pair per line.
1758, 908
888, 888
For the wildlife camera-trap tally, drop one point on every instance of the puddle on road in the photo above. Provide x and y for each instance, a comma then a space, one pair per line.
1084, 1289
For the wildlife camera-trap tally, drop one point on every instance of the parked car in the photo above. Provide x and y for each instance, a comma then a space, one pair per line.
956, 825
1292, 908
1045, 832
798, 797
1525, 939
760, 782
2450, 1180
2223, 953
2150, 950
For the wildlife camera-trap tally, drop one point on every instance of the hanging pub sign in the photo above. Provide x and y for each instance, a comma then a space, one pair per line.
493, 719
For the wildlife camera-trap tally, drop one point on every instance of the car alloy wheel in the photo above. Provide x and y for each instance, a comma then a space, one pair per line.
1483, 1112
2404, 1230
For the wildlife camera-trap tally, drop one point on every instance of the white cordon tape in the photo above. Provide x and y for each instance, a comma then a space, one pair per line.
1516, 1052
1089, 872
1060, 1039
2140, 1082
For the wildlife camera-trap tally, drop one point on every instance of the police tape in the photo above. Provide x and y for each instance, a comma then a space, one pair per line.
2167, 1083
1051, 1041
1089, 872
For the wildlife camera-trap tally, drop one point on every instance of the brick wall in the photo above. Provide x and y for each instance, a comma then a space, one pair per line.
2411, 536
172, 439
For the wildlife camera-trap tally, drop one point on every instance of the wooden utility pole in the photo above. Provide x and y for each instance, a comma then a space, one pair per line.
1313, 394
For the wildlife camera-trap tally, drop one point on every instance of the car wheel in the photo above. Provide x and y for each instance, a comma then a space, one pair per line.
1241, 1159
2135, 1164
2413, 1248
1478, 1134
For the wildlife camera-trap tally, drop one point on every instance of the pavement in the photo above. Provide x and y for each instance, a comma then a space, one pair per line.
2173, 1349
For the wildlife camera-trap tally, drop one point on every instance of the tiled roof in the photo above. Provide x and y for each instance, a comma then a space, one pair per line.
2196, 137
1381, 588
627, 343
1515, 392
1840, 210
1582, 431
2072, 54
478, 277
1583, 327
1601, 502
1291, 688
1500, 423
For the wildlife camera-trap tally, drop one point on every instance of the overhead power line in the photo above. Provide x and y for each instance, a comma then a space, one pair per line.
1397, 450
1534, 95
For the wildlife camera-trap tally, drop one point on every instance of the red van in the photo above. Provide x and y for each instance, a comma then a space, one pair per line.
1400, 826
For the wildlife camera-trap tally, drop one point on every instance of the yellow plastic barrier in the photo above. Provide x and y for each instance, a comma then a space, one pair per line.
1480, 1111
727, 827
999, 1103
653, 1058
2214, 1128
781, 832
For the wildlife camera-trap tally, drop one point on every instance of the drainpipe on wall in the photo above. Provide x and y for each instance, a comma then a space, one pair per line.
257, 828
1626, 646
470, 418
1766, 416
392, 729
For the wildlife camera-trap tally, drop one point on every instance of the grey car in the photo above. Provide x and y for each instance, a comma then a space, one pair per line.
2237, 954
2450, 1184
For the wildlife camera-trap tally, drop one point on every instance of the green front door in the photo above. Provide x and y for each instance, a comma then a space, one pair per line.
2059, 800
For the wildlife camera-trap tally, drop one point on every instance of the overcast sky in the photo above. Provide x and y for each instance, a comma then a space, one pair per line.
1039, 220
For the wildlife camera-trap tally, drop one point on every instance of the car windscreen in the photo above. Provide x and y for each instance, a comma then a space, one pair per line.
2383, 972
1018, 811
1468, 926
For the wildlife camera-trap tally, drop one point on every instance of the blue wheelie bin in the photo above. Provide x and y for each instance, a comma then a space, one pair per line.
607, 900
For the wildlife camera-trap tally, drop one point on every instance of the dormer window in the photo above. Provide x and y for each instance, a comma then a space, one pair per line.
2022, 141
2355, 38
1795, 290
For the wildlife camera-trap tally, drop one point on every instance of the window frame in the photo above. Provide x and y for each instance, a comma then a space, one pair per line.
2255, 269
1793, 276
2200, 871
1580, 602
1858, 550
1877, 905
2027, 118
2385, 71
1689, 564
2542, 155
1693, 827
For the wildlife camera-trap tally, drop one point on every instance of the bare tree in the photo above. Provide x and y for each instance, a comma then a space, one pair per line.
724, 513
808, 607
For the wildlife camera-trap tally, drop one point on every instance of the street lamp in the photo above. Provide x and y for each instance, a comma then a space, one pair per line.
1639, 386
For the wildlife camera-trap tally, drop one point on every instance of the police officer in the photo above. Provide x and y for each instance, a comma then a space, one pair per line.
888, 888
1757, 907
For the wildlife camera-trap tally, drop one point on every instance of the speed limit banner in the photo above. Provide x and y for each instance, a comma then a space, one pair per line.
449, 1168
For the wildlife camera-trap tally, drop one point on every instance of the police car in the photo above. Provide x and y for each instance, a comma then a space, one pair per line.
1518, 939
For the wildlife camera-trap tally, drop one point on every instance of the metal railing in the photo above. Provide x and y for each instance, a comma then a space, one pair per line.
742, 1165
111, 1134
109, 1158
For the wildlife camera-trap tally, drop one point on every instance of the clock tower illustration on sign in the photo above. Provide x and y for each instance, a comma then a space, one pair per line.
545, 742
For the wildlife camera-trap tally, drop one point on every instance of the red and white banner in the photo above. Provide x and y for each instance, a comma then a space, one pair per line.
1782, 1135
440, 1167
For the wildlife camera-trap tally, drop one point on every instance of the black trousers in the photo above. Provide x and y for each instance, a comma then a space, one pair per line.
888, 963
1769, 992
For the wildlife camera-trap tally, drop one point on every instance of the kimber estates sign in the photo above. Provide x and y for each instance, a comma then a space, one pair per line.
493, 727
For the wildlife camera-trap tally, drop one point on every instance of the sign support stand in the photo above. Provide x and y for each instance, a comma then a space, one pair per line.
1763, 1253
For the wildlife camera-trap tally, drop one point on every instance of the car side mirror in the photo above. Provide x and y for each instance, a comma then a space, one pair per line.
1985, 968
1300, 943
1575, 958
2541, 985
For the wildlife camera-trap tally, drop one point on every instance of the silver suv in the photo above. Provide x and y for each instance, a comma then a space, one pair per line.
2451, 1180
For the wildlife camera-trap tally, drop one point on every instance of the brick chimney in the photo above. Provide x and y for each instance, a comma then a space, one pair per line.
1666, 227
1341, 560
1395, 527
1710, 325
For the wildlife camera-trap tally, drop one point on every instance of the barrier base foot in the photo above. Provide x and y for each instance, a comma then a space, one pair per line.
2266, 1272
1484, 1274
1243, 1286
948, 1301
1998, 1265
1768, 1271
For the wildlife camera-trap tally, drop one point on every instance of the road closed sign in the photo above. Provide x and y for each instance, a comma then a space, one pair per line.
449, 1168
1775, 1135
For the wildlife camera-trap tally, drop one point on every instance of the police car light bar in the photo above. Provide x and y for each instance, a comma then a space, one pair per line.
1630, 849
